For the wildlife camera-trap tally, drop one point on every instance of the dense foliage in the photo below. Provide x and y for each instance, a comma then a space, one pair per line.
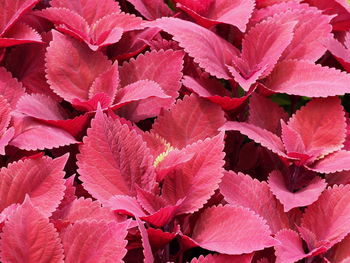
174, 131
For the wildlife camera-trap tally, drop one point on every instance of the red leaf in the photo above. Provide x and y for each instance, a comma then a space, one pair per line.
262, 46
235, 13
327, 231
242, 190
71, 74
162, 67
10, 88
147, 250
266, 114
151, 9
321, 125
211, 52
188, 121
94, 241
223, 259
267, 139
238, 227
114, 159
20, 34
304, 78
41, 179
304, 197
196, 180
29, 237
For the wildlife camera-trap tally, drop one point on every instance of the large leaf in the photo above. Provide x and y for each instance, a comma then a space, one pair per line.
41, 179
335, 162
196, 180
304, 78
262, 46
29, 237
242, 190
267, 139
113, 160
208, 50
188, 121
10, 88
210, 13
94, 241
90, 10
72, 67
266, 114
12, 10
302, 197
335, 203
231, 230
321, 125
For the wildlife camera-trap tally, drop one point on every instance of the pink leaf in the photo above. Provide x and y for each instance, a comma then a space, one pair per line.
151, 9
290, 248
341, 251
329, 230
147, 250
257, 134
71, 74
262, 46
310, 34
10, 88
83, 209
114, 159
265, 3
29, 237
242, 190
162, 67
41, 179
223, 259
235, 13
125, 205
304, 197
238, 227
29, 130
33, 105
208, 50
188, 121
138, 90
106, 83
335, 162
103, 31
90, 10
321, 125
20, 34
196, 180
11, 12
266, 114
94, 241
293, 142
304, 78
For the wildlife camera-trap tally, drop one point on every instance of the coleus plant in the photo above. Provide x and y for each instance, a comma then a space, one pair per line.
174, 131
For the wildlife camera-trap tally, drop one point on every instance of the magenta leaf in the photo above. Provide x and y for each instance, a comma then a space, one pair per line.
71, 74
151, 9
303, 197
29, 237
327, 231
304, 78
266, 114
208, 50
147, 250
334, 162
162, 67
41, 179
235, 13
321, 125
238, 226
262, 46
242, 190
93, 241
10, 88
180, 128
196, 180
267, 139
223, 259
113, 160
